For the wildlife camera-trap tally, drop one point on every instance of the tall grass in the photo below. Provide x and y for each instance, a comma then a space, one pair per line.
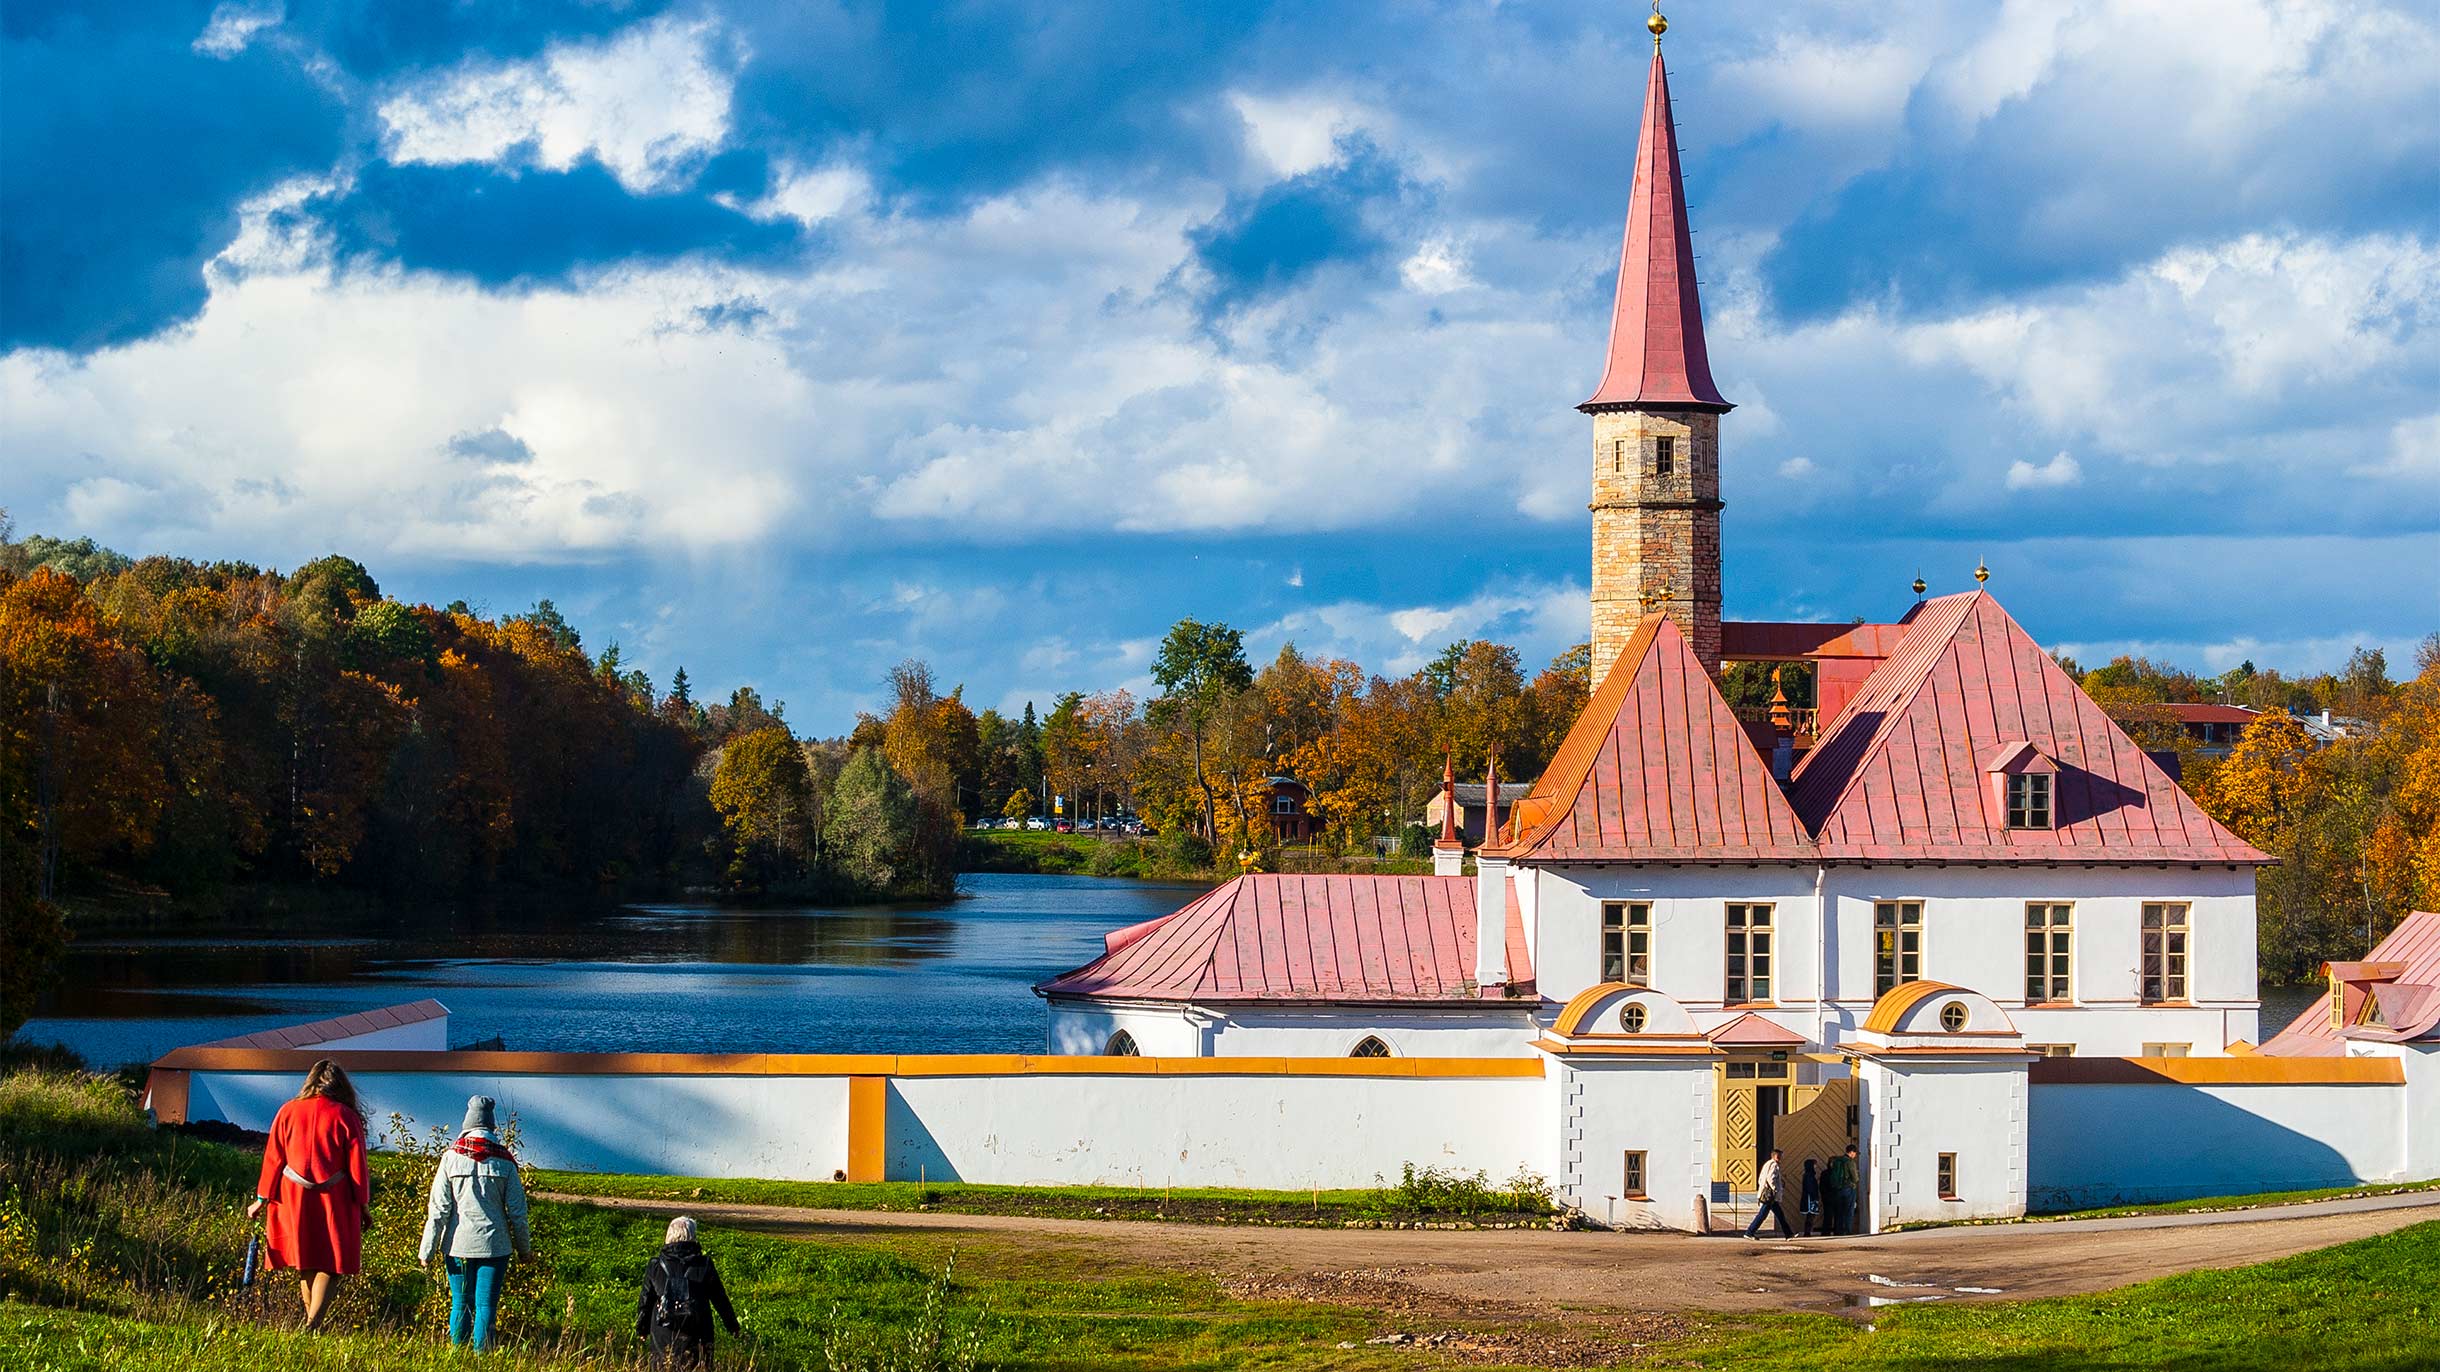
100, 1212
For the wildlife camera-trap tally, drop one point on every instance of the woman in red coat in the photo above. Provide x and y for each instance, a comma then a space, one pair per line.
315, 1182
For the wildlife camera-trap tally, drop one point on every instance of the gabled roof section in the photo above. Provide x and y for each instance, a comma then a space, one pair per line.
1656, 768
1900, 773
1750, 1030
1657, 357
321, 1031
1310, 939
2401, 977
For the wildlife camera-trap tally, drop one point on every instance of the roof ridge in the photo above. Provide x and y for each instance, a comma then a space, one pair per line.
1897, 709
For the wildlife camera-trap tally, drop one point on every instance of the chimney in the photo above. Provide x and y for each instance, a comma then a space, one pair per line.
1491, 797
1491, 888
1449, 852
1783, 733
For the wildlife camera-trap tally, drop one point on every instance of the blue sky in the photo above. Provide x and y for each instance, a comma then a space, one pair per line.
783, 342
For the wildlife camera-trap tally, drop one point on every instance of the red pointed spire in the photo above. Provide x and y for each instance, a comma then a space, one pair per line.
1656, 335
1448, 804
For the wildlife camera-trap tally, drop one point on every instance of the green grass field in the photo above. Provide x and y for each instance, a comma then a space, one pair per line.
1417, 1196
119, 1245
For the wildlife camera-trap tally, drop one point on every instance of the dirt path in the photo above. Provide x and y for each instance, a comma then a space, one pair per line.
1534, 1272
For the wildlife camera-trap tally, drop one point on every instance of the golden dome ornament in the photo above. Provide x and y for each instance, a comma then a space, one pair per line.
1657, 23
1920, 585
1981, 572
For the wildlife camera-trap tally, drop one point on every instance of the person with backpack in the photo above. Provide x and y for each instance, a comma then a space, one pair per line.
475, 1218
682, 1292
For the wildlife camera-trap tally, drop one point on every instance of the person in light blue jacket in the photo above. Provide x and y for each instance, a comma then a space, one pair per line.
475, 1218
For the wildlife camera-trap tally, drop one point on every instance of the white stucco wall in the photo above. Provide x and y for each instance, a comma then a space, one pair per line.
2421, 1110
1269, 1131
787, 1128
1917, 1111
1661, 1108
2102, 1144
1492, 1029
1973, 936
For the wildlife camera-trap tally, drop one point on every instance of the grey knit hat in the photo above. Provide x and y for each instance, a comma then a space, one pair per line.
478, 1113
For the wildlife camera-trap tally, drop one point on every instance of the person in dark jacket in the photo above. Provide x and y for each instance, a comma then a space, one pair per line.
1839, 1183
682, 1292
1809, 1201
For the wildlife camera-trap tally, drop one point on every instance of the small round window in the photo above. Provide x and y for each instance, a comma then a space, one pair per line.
1953, 1016
1370, 1048
1121, 1045
1631, 1016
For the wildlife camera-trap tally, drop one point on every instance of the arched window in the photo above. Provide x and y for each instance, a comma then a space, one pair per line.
1371, 1047
1121, 1045
1953, 1016
1631, 1017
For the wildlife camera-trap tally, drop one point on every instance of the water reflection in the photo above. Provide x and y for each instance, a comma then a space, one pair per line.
950, 977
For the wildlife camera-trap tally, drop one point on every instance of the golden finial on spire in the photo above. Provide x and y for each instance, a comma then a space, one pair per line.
1920, 587
1981, 572
1658, 23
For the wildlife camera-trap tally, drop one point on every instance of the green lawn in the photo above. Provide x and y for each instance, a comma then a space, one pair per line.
1423, 1196
2373, 1304
2199, 1205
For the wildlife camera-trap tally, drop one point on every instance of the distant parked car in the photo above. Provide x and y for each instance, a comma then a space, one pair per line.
1037, 824
1065, 826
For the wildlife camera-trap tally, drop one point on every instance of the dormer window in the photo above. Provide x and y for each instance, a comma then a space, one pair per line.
2029, 800
2024, 787
1664, 456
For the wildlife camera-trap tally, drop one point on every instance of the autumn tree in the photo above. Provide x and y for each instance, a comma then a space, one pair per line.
765, 799
1201, 670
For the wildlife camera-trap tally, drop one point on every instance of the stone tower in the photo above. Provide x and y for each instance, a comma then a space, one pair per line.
1656, 418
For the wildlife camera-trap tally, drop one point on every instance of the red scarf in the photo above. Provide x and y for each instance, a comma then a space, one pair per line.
482, 1149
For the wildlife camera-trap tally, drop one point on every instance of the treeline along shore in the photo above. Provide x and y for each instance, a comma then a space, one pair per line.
182, 739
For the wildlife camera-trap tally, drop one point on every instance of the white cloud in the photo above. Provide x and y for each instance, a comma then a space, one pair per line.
2414, 452
1296, 133
234, 23
2059, 472
647, 102
1799, 469
2200, 340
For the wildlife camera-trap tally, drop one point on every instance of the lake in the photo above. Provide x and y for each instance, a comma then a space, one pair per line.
946, 977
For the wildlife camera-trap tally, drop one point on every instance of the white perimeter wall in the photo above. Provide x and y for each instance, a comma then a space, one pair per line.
2099, 1145
774, 1127
1661, 1109
1973, 936
1268, 1131
1909, 1115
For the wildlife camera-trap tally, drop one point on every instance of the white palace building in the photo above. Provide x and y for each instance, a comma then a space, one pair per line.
1955, 917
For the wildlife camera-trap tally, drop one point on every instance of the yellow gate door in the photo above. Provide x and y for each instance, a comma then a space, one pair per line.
1814, 1125
1818, 1126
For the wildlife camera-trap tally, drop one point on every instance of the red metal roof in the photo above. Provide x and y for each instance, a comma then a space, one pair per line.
323, 1031
1899, 774
2412, 1006
1750, 1030
1286, 937
1762, 640
1656, 767
1656, 330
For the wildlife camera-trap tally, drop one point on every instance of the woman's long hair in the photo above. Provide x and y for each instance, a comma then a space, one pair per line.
329, 1080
